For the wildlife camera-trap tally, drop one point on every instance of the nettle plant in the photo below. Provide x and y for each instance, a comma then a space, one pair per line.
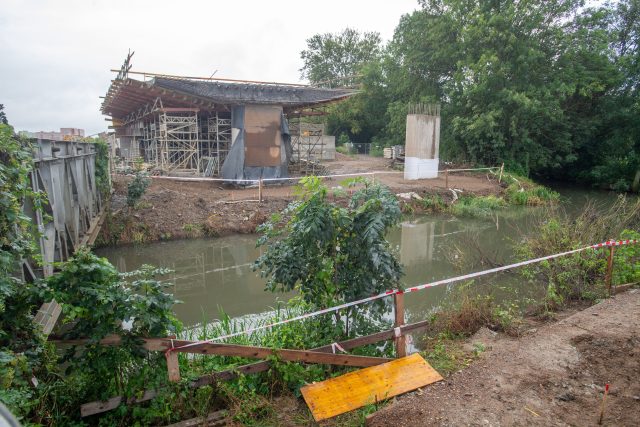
332, 254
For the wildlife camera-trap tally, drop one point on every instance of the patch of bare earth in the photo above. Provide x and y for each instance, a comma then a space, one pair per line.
553, 375
186, 209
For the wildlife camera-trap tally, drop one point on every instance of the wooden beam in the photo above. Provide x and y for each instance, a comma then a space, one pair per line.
213, 419
306, 356
173, 366
254, 368
97, 407
400, 340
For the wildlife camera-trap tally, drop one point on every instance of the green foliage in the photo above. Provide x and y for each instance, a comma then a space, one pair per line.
23, 353
522, 191
102, 167
136, 188
3, 116
579, 276
343, 139
333, 58
97, 302
332, 254
549, 87
433, 203
626, 260
480, 206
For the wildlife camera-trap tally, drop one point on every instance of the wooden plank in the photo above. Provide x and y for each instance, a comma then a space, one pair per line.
356, 389
173, 366
213, 419
97, 407
400, 341
306, 356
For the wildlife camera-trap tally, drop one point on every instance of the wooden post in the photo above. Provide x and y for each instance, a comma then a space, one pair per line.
400, 341
446, 178
501, 172
173, 367
609, 275
260, 191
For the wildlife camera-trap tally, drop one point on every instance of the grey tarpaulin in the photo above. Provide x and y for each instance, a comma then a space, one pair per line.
234, 166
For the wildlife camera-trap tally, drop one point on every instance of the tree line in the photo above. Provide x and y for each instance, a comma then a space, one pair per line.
549, 87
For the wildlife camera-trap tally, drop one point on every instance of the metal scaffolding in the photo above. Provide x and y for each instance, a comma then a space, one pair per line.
215, 151
179, 143
307, 143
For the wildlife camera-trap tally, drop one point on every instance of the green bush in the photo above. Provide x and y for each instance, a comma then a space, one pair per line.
627, 260
136, 188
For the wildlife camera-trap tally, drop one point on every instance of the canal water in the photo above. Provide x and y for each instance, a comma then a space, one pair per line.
214, 274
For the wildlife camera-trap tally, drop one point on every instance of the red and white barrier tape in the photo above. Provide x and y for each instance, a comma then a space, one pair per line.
608, 243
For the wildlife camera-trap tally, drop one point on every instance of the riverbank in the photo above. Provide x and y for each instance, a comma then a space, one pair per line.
171, 210
554, 374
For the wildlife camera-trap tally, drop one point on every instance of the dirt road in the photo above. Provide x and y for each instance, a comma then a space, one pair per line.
553, 376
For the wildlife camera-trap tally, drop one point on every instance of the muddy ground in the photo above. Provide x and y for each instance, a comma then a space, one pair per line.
554, 375
177, 209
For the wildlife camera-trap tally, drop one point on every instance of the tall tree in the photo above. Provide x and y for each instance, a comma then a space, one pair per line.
3, 116
332, 59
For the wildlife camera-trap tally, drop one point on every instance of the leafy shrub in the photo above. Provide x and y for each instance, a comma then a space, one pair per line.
332, 254
23, 351
627, 260
136, 188
579, 276
96, 302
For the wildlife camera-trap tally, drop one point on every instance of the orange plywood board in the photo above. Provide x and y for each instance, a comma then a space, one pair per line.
356, 389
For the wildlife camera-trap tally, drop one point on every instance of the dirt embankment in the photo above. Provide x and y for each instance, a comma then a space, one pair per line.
178, 209
554, 375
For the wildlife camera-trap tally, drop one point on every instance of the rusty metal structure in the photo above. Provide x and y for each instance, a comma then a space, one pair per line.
235, 129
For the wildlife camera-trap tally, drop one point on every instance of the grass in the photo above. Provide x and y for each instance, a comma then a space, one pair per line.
193, 230
524, 192
479, 206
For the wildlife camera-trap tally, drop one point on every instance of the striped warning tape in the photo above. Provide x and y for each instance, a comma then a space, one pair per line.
390, 292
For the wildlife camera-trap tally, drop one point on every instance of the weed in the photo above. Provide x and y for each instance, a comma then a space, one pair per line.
522, 191
580, 276
433, 203
445, 354
480, 206
193, 230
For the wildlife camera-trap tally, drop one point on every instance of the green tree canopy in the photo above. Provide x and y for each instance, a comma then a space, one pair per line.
332, 59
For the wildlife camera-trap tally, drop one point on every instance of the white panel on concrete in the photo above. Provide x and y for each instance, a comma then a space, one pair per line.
422, 146
415, 168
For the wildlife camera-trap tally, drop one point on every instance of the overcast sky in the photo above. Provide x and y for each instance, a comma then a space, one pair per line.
55, 56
